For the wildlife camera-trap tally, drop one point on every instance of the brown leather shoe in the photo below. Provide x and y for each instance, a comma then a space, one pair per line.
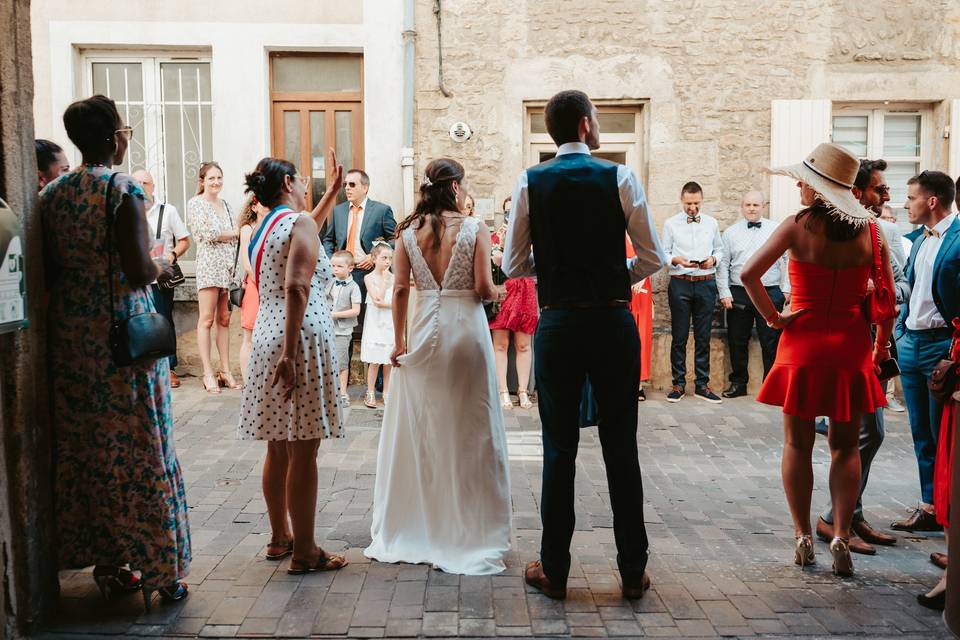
536, 578
856, 544
174, 380
632, 590
939, 559
920, 521
871, 535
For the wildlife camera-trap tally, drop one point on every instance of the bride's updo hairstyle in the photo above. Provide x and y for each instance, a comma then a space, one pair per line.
436, 196
266, 181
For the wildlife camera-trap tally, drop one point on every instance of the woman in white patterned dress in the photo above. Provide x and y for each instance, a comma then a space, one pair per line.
291, 401
212, 224
442, 491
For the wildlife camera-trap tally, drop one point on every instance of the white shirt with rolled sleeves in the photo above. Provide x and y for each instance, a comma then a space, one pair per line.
693, 241
172, 227
923, 311
517, 249
739, 244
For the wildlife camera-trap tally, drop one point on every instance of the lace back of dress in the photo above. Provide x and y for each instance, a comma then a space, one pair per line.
459, 273
421, 272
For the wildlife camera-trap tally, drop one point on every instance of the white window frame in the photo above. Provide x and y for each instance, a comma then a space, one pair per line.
875, 114
630, 144
150, 62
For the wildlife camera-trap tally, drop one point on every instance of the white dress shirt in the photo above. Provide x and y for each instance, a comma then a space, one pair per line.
693, 241
739, 244
173, 228
891, 233
517, 248
923, 312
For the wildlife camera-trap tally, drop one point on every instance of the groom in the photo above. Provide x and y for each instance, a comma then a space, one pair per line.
574, 210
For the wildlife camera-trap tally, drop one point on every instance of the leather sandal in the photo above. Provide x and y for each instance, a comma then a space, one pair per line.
324, 562
279, 549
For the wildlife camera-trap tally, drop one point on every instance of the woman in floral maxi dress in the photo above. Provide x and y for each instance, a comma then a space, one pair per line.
119, 492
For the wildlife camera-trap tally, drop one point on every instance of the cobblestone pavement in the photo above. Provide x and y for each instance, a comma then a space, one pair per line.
721, 543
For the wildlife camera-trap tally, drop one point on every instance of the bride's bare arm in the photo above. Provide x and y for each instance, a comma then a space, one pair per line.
401, 297
482, 276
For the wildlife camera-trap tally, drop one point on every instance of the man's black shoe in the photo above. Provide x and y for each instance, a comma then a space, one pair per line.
704, 393
735, 391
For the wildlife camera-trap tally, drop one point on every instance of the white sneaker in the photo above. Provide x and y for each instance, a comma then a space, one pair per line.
893, 405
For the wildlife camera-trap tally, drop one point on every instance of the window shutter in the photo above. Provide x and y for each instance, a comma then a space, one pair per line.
796, 127
954, 142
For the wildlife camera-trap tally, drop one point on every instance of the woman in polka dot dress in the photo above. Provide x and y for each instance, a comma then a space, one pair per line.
291, 396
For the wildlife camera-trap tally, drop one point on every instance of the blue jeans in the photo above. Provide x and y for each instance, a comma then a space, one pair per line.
919, 352
163, 301
569, 346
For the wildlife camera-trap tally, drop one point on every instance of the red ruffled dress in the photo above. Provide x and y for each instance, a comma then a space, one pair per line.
641, 307
943, 468
519, 310
824, 364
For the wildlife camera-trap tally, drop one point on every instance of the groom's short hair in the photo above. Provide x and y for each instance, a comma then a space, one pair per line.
563, 114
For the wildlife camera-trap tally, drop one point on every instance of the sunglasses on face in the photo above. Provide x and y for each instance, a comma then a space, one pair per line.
353, 185
881, 189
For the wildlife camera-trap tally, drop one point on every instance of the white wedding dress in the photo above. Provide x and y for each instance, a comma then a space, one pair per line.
442, 492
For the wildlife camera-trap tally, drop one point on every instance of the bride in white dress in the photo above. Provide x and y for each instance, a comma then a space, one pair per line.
442, 493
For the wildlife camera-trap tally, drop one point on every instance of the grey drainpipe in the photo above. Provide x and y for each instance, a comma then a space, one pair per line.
406, 154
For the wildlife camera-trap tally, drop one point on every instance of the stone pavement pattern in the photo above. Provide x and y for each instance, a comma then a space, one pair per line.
721, 543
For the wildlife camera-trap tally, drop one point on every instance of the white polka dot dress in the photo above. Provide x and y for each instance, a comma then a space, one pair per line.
314, 411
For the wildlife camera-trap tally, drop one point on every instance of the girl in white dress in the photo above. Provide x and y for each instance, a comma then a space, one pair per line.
291, 401
376, 344
442, 491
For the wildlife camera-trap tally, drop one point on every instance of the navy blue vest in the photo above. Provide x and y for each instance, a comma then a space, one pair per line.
578, 231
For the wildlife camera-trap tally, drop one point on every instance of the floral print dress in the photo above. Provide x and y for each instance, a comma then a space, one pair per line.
119, 491
216, 260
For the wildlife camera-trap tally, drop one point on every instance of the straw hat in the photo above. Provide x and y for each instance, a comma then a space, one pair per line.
830, 170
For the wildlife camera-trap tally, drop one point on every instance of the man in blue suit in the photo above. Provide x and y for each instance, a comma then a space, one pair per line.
924, 327
357, 223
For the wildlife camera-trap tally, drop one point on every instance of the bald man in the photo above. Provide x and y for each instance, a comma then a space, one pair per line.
171, 240
740, 241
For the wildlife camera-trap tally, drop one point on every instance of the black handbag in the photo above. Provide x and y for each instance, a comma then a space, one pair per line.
176, 277
144, 337
235, 293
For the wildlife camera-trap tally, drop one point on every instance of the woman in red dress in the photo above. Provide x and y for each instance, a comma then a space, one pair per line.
518, 315
936, 598
641, 306
825, 365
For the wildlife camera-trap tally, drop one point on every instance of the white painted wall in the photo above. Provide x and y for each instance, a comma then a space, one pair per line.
239, 80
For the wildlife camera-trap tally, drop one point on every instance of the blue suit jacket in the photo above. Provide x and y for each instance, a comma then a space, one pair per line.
378, 222
946, 275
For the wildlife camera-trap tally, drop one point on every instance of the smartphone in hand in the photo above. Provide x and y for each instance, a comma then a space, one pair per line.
888, 369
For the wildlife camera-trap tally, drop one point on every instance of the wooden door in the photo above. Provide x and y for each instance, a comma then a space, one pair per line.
303, 131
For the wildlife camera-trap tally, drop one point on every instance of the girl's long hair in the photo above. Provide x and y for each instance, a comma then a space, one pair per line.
821, 219
248, 214
436, 196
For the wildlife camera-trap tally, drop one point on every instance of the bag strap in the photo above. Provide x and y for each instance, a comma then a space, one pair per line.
263, 242
160, 219
875, 235
110, 218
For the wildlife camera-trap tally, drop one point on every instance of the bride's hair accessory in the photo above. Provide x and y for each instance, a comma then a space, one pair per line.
427, 181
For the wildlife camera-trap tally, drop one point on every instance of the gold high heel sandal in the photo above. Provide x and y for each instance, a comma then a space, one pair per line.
225, 379
524, 398
803, 555
842, 562
213, 388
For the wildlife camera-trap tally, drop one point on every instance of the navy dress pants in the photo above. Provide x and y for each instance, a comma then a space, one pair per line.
569, 346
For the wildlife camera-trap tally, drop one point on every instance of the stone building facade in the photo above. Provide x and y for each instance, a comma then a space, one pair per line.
719, 91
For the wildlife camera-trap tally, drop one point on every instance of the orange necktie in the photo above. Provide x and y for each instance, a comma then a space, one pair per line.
352, 232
